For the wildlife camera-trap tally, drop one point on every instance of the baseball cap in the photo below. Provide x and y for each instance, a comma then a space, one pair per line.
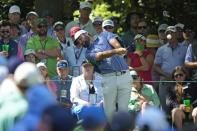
31, 13
29, 51
40, 64
40, 21
171, 29
123, 121
78, 33
62, 64
152, 40
58, 23
61, 118
97, 19
73, 30
26, 74
92, 116
108, 23
162, 27
180, 25
139, 36
14, 9
85, 5
133, 74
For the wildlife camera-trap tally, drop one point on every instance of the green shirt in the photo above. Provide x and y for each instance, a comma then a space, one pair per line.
88, 27
148, 92
48, 44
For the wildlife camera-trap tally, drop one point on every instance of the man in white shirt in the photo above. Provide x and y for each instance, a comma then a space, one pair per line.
86, 89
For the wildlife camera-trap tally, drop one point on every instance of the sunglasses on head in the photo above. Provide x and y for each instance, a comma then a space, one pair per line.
178, 75
142, 27
5, 31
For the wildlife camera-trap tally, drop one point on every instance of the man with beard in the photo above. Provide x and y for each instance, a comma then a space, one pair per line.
106, 55
47, 49
8, 47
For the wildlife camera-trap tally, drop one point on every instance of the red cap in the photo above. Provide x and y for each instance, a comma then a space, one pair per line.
73, 30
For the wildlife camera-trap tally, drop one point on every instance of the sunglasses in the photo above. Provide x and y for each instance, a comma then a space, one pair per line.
161, 31
108, 27
178, 75
142, 27
59, 29
97, 23
5, 31
188, 30
135, 77
42, 26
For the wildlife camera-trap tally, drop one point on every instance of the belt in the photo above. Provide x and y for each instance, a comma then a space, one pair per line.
117, 73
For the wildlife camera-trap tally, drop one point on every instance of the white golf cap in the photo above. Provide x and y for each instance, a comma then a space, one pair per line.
133, 73
27, 74
170, 29
108, 23
31, 13
85, 5
40, 64
162, 27
180, 25
29, 51
97, 19
14, 9
139, 36
78, 33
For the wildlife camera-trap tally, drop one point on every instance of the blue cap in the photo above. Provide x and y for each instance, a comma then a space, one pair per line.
61, 118
92, 116
62, 64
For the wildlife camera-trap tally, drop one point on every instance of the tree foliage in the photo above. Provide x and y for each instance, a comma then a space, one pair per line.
155, 11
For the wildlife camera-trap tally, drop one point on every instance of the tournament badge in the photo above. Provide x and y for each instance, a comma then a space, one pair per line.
63, 94
92, 99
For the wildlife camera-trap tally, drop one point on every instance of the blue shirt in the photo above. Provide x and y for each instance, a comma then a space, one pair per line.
168, 58
188, 56
75, 56
24, 38
108, 65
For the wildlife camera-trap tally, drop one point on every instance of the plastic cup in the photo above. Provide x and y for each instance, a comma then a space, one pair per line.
5, 48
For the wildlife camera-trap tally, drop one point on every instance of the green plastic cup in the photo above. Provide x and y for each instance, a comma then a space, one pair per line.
5, 47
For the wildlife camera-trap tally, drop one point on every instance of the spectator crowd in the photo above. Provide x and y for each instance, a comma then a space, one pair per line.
83, 76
